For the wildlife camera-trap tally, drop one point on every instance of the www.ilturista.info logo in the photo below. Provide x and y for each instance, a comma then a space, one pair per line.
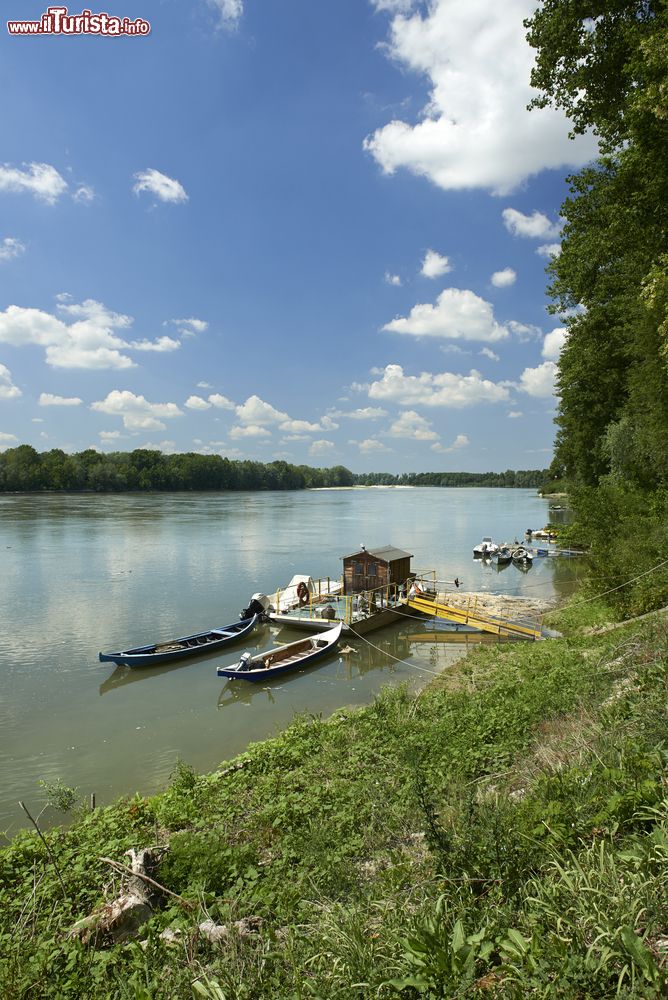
58, 21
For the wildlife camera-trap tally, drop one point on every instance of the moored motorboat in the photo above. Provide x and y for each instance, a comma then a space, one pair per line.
503, 557
485, 549
188, 645
521, 556
282, 659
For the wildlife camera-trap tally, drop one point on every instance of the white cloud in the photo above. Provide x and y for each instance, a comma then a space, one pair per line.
110, 435
91, 341
221, 402
160, 185
327, 424
443, 389
454, 349
39, 179
300, 427
458, 314
137, 413
10, 248
370, 445
249, 431
393, 6
514, 414
256, 411
539, 381
229, 12
7, 389
363, 413
554, 342
549, 250
535, 226
504, 278
197, 403
167, 447
488, 353
204, 385
475, 130
525, 331
392, 279
6, 440
47, 399
461, 441
84, 195
410, 424
162, 345
435, 265
321, 447
190, 327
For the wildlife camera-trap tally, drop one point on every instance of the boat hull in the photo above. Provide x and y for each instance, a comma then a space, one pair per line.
186, 646
502, 558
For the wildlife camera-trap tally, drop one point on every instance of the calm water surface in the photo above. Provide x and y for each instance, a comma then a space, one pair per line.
85, 573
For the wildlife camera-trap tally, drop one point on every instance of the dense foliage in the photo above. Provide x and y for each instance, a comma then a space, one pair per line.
606, 64
504, 835
24, 469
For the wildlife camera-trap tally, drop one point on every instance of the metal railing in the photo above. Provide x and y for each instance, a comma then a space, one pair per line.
350, 607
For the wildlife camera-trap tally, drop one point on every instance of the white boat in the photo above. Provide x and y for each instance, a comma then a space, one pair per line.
486, 549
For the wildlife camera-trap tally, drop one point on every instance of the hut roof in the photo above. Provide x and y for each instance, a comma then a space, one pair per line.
385, 553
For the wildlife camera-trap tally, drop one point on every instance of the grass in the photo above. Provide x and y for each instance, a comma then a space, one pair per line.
503, 836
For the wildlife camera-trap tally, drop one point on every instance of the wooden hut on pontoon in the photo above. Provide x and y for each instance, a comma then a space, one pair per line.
370, 569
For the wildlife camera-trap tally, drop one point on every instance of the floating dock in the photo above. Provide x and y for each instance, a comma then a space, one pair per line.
371, 610
429, 604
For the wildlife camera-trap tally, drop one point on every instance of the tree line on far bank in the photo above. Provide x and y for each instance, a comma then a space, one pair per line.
23, 469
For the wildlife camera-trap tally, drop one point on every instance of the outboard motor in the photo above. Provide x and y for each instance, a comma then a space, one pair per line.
259, 605
244, 662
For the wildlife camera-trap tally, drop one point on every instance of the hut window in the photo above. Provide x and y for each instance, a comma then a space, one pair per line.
359, 569
372, 569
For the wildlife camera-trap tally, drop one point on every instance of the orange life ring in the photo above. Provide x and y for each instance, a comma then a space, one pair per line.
302, 592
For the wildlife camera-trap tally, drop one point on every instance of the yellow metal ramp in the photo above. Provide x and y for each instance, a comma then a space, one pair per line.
522, 628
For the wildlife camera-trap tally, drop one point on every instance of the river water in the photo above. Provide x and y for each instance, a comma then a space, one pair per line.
81, 573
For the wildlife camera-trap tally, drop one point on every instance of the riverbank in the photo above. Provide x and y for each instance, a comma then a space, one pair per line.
497, 834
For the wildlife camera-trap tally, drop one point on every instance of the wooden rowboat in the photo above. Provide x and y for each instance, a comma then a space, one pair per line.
188, 645
281, 659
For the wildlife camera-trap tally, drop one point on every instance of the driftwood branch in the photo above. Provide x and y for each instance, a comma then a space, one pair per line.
124, 869
122, 917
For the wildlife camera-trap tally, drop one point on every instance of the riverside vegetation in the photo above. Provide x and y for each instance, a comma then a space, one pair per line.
503, 834
23, 469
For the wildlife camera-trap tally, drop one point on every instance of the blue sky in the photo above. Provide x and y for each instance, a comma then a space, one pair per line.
289, 230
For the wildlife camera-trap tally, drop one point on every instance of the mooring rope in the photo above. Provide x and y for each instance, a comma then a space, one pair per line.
426, 670
612, 590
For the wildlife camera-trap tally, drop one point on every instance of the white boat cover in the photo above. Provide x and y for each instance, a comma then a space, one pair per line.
286, 599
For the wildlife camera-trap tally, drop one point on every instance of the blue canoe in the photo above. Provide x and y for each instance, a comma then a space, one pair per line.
281, 659
188, 645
